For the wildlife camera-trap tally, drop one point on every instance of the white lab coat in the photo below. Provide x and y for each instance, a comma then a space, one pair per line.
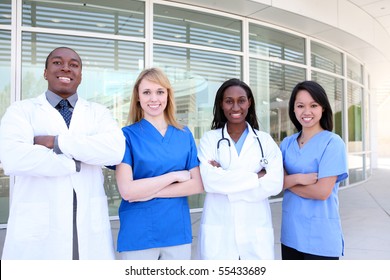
236, 220
41, 207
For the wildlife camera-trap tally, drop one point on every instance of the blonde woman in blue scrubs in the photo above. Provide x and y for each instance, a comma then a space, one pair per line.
159, 170
315, 163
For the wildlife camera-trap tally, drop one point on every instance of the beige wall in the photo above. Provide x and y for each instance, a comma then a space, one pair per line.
383, 123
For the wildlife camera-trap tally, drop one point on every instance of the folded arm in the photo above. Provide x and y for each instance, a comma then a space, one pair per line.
148, 188
308, 186
19, 155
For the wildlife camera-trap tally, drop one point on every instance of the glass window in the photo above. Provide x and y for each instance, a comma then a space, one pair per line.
196, 76
112, 17
5, 12
354, 70
355, 135
273, 43
334, 89
5, 70
327, 59
193, 27
355, 165
272, 84
355, 144
367, 130
5, 93
4, 197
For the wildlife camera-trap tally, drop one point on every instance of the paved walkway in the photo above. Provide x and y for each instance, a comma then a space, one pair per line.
365, 215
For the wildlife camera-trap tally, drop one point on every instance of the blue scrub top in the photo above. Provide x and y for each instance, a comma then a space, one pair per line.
159, 222
309, 225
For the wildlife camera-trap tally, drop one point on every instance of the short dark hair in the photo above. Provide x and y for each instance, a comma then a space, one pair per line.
318, 93
47, 58
219, 119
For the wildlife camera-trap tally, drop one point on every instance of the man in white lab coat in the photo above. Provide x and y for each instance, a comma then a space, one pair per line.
58, 207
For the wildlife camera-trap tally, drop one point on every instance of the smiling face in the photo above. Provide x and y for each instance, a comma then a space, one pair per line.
63, 72
235, 104
153, 98
307, 111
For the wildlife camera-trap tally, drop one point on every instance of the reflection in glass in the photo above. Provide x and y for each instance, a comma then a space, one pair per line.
113, 196
109, 68
112, 17
194, 27
5, 70
269, 42
196, 75
354, 70
355, 167
325, 58
272, 84
4, 197
334, 89
5, 88
5, 12
367, 113
355, 143
355, 133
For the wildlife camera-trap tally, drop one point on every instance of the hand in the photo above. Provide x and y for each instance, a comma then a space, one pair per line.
44, 140
261, 173
214, 163
182, 176
308, 179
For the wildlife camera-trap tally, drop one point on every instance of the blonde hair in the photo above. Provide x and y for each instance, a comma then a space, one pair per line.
154, 75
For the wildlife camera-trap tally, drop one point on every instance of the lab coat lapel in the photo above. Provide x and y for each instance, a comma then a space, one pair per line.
52, 122
80, 119
232, 149
250, 138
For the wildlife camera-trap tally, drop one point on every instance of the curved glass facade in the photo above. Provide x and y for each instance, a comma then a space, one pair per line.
198, 50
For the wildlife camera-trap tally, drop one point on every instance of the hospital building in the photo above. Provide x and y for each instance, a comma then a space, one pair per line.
270, 44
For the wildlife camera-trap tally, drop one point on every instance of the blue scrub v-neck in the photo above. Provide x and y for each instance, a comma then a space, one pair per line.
153, 131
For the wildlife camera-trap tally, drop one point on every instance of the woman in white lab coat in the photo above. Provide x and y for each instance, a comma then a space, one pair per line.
241, 168
41, 198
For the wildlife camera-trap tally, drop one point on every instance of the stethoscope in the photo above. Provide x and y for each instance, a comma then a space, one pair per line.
263, 160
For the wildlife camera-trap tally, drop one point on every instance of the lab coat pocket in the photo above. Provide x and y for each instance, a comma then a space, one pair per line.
264, 244
210, 241
99, 214
32, 221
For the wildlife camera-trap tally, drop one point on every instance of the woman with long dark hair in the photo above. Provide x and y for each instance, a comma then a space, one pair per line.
241, 167
315, 163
